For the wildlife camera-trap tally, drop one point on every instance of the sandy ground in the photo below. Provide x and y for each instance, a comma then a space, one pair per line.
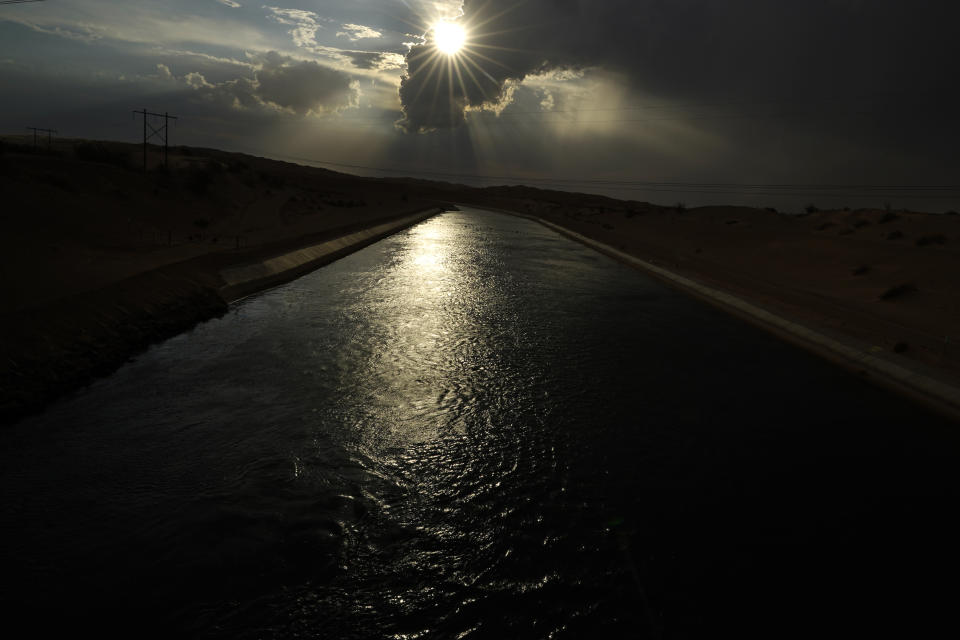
101, 258
885, 279
72, 225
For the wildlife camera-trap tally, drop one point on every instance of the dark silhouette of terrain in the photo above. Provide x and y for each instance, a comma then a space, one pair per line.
101, 258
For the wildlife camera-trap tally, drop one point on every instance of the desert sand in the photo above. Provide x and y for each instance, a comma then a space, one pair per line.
101, 258
885, 280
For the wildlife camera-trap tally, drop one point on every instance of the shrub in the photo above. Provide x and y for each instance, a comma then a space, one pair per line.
900, 347
681, 207
951, 213
898, 291
859, 271
860, 223
202, 223
889, 216
894, 235
811, 208
825, 225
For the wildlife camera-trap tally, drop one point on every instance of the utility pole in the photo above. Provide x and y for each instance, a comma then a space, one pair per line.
49, 133
161, 132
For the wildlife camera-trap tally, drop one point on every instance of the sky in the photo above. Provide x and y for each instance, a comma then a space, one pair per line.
762, 102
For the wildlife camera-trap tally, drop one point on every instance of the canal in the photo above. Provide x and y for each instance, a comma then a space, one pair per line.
477, 428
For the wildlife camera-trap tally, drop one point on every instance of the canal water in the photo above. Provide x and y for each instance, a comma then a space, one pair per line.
477, 428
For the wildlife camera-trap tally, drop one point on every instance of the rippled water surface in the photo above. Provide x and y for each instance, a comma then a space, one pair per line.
477, 429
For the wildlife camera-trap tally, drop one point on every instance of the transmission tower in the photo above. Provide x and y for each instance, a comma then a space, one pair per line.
161, 132
49, 133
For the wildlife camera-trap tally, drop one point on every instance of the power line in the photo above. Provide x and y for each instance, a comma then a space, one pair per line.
162, 132
49, 133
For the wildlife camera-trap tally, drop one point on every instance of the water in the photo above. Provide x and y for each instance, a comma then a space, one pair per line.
477, 429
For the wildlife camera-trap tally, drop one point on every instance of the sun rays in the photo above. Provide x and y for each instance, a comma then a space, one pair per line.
456, 67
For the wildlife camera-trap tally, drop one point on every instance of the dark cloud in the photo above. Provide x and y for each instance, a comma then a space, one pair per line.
302, 86
278, 82
745, 50
365, 59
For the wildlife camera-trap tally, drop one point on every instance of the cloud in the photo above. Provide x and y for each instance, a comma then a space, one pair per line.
230, 3
355, 32
691, 50
305, 24
301, 87
163, 72
378, 60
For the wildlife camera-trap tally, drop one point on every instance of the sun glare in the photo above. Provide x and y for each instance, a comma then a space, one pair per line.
448, 37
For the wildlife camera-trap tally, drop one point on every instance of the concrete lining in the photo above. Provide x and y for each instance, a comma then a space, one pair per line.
243, 280
935, 394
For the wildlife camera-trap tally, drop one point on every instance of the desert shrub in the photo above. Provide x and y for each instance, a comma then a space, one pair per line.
97, 152
680, 207
951, 213
771, 209
237, 166
846, 231
859, 271
900, 347
607, 226
811, 208
860, 223
201, 223
898, 291
933, 238
732, 222
889, 216
825, 225
894, 235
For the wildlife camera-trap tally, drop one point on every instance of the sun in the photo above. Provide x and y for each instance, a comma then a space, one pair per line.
448, 37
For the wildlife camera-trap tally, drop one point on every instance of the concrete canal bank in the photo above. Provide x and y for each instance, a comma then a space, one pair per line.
58, 347
903, 377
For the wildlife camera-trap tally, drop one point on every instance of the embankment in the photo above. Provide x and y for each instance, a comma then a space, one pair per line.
911, 379
56, 348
